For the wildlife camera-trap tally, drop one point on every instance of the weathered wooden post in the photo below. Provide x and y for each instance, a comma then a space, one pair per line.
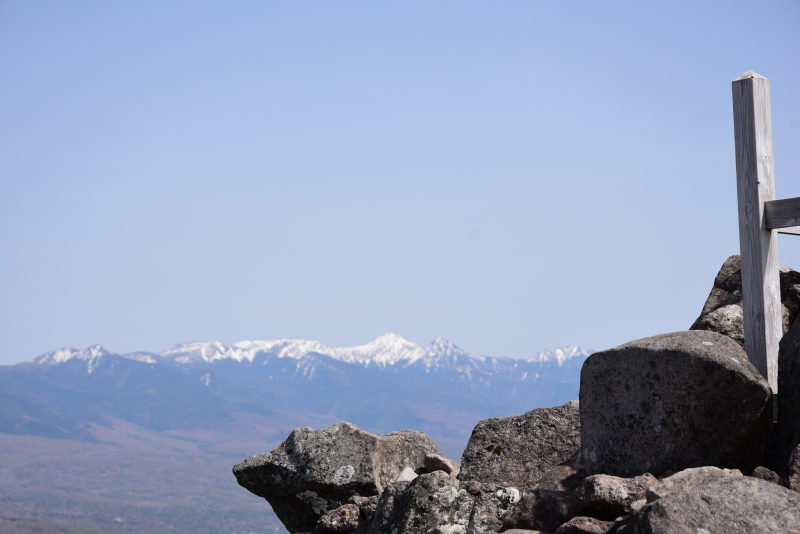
760, 217
755, 184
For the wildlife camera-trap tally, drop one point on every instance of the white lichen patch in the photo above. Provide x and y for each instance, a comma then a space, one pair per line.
343, 475
317, 503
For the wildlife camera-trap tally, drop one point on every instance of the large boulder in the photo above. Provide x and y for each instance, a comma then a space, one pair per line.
729, 504
313, 472
789, 396
517, 450
672, 401
688, 479
722, 312
438, 503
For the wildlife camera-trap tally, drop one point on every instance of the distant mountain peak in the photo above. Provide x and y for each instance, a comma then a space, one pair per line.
385, 351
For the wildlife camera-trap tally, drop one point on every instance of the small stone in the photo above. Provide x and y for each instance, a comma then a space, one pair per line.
607, 497
406, 475
766, 474
585, 525
437, 462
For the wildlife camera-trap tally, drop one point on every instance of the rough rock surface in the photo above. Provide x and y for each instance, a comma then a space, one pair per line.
342, 519
788, 396
731, 505
673, 401
688, 479
517, 450
722, 312
566, 476
313, 472
439, 504
608, 497
793, 472
765, 474
585, 525
542, 510
437, 462
366, 506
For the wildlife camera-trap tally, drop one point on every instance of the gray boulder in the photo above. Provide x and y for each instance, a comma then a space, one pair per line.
439, 504
793, 471
437, 462
730, 504
517, 450
672, 401
788, 396
688, 479
722, 312
313, 472
543, 510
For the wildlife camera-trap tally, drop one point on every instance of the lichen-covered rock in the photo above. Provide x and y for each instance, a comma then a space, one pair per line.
607, 497
585, 525
722, 312
517, 450
673, 401
688, 479
730, 504
313, 472
366, 506
439, 504
342, 519
788, 396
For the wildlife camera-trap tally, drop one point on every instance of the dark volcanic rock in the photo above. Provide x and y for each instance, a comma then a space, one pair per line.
585, 525
788, 396
722, 312
342, 519
439, 504
313, 472
688, 479
607, 497
518, 450
731, 505
673, 401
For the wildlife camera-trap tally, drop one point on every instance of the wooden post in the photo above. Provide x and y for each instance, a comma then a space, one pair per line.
755, 183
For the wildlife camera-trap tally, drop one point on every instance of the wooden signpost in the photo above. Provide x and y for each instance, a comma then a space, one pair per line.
761, 217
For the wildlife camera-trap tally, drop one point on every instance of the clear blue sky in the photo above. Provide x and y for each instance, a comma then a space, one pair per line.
509, 175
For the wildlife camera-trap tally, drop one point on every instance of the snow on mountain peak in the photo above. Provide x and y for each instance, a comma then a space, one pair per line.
385, 350
560, 355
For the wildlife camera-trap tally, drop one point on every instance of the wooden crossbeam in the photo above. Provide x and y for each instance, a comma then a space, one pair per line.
782, 213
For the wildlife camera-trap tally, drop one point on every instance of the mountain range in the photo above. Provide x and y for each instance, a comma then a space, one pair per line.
216, 403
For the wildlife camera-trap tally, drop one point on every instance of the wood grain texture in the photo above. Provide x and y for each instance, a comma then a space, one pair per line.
759, 245
782, 213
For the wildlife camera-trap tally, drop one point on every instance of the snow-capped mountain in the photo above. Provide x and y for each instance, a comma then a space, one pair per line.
386, 351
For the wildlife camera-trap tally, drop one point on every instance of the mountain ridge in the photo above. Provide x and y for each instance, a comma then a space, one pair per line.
385, 351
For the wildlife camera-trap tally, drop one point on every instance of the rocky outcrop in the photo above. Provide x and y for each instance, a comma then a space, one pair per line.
730, 504
566, 476
668, 402
313, 472
722, 312
436, 502
789, 396
519, 449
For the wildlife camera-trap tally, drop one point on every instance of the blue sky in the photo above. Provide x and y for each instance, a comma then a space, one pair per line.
509, 175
